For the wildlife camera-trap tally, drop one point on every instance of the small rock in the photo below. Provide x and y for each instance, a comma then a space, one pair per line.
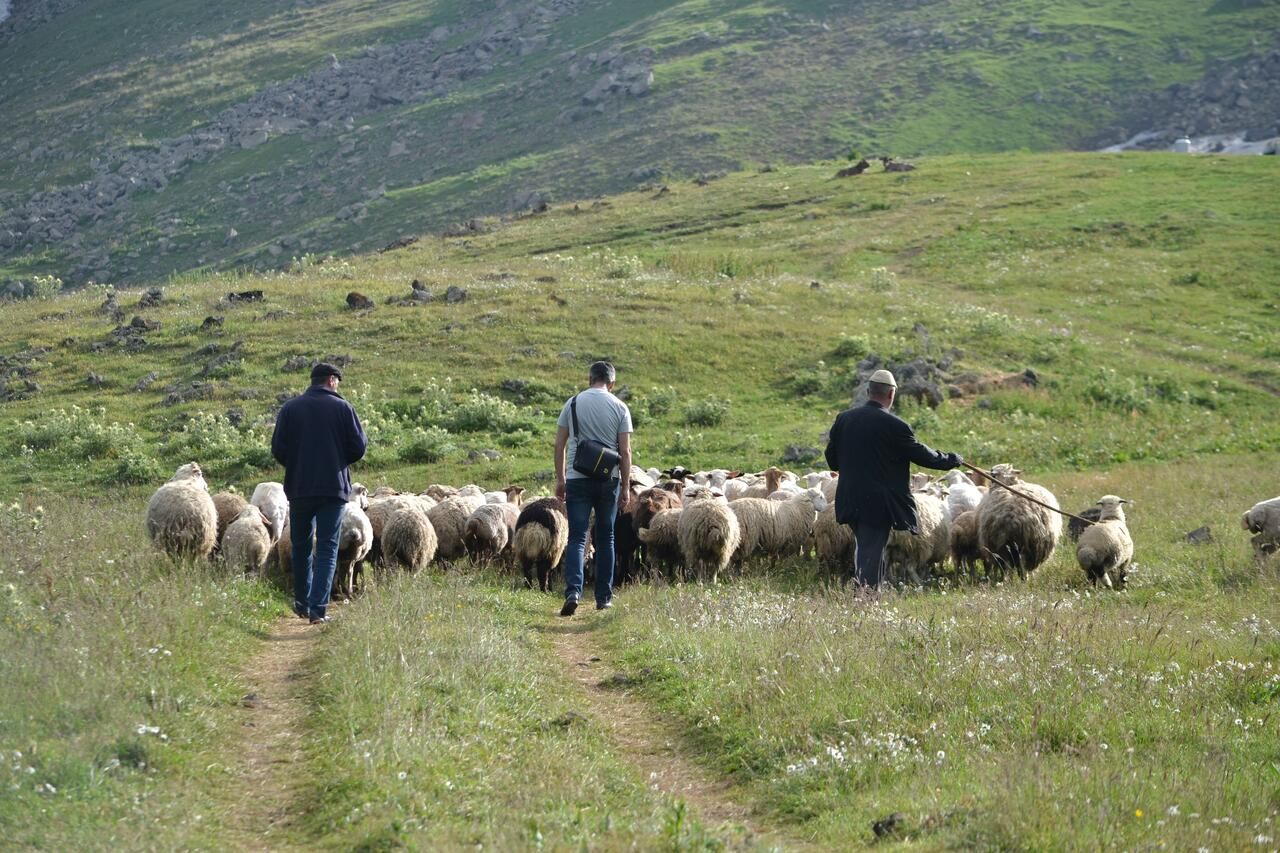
96, 380
455, 294
146, 382
211, 322
797, 453
1200, 536
888, 825
151, 298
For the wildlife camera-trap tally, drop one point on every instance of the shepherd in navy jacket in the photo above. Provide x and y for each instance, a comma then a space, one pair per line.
317, 436
872, 449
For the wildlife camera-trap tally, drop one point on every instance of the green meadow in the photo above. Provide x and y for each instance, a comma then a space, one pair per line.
440, 710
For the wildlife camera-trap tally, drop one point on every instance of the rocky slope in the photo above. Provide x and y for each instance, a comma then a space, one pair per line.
254, 133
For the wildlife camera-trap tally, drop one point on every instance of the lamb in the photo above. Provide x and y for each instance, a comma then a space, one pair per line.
661, 538
355, 541
1012, 531
489, 531
1105, 549
708, 532
833, 542
181, 518
647, 504
965, 552
913, 553
449, 518
542, 533
269, 497
778, 528
247, 542
228, 505
1263, 520
408, 538
962, 494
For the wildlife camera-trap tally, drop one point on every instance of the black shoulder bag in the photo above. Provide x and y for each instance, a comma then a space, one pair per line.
590, 457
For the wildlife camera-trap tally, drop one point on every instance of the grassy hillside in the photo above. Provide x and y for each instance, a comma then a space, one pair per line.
449, 709
1137, 287
734, 84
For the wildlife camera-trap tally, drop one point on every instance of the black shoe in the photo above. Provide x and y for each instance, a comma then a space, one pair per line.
316, 620
604, 605
570, 607
300, 611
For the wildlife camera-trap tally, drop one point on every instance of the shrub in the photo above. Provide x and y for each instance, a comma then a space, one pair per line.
481, 412
46, 286
427, 445
1118, 392
685, 443
882, 279
708, 412
136, 467
218, 444
851, 346
661, 401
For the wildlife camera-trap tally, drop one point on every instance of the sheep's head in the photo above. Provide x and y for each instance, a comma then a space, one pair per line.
514, 494
191, 474
1251, 521
955, 477
1005, 473
1110, 507
815, 497
919, 480
359, 495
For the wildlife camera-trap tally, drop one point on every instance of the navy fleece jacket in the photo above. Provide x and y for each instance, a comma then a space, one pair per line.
317, 436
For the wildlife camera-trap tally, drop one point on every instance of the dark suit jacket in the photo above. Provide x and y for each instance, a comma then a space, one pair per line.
872, 449
317, 436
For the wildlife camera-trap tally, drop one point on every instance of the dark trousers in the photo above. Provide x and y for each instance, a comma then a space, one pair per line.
313, 572
581, 497
869, 553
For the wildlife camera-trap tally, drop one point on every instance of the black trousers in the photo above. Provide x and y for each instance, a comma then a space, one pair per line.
869, 553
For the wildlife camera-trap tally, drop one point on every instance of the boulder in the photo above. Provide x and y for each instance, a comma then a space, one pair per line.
358, 301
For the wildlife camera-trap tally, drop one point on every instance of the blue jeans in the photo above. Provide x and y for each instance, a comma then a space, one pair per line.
581, 496
313, 573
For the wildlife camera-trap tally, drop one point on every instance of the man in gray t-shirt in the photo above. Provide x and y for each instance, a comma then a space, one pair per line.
605, 418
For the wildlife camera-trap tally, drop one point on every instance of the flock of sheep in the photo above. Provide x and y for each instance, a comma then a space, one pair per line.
693, 524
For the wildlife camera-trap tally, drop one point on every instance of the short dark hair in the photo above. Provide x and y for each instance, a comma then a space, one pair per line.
879, 389
602, 371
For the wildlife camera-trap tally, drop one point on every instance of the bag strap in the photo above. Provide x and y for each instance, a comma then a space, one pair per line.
573, 412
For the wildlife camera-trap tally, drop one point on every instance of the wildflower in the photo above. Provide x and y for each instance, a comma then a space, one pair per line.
1172, 811
1137, 812
402, 775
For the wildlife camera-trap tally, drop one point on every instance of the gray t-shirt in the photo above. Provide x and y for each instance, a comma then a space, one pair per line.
601, 416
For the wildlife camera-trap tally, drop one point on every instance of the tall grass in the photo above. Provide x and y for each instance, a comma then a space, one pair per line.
117, 679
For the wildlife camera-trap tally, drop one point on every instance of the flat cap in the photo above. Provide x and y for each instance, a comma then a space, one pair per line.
323, 369
883, 377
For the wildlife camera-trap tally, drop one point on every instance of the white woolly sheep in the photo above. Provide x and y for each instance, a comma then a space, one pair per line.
542, 534
489, 531
708, 532
269, 497
1014, 532
777, 528
913, 553
1105, 549
661, 539
962, 494
355, 541
181, 518
228, 505
449, 518
247, 542
1263, 520
833, 542
408, 539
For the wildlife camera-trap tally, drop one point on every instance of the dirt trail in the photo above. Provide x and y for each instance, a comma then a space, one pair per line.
270, 753
653, 746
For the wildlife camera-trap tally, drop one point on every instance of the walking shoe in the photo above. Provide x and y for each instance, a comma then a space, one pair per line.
316, 620
300, 610
570, 607
604, 605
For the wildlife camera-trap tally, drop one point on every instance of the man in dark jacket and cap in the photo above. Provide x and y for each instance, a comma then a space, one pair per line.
872, 449
317, 436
